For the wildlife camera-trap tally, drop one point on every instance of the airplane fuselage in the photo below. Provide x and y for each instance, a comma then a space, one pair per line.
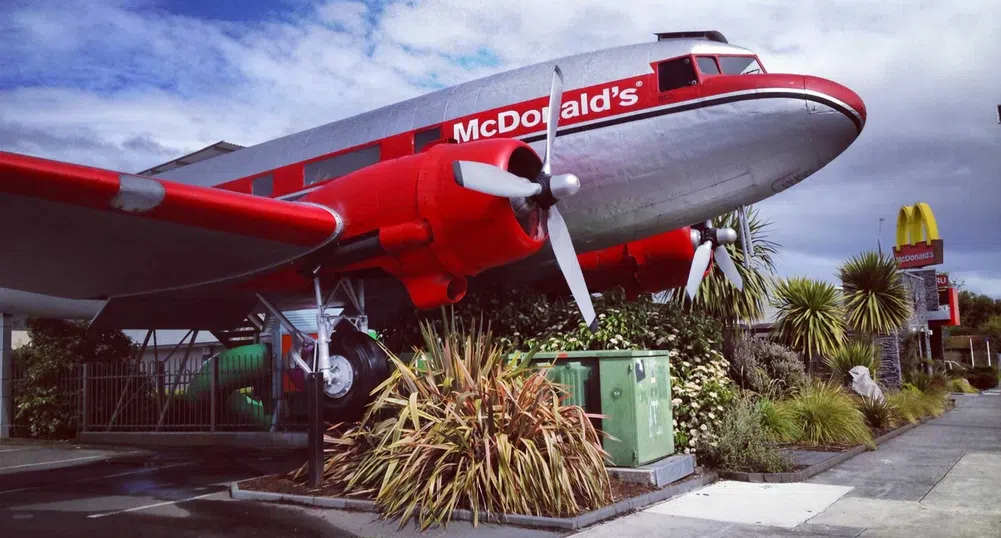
661, 134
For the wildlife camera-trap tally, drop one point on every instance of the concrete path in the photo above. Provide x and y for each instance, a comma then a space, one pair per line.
940, 479
19, 456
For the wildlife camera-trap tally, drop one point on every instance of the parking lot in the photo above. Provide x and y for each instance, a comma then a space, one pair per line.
63, 490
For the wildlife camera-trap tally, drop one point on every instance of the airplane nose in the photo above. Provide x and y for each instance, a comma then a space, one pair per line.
838, 95
837, 116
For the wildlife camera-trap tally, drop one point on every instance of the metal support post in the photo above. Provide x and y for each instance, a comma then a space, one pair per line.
322, 331
6, 375
314, 388
84, 396
214, 388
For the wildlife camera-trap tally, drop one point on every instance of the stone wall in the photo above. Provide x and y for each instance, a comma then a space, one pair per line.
890, 373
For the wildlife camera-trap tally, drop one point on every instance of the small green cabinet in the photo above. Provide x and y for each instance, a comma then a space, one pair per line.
632, 389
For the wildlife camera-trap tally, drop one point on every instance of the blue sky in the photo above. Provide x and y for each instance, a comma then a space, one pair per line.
127, 84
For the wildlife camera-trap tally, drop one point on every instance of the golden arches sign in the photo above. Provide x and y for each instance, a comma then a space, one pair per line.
918, 242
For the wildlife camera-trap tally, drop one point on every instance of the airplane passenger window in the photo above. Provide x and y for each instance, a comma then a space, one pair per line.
739, 65
263, 186
674, 74
341, 165
425, 137
707, 65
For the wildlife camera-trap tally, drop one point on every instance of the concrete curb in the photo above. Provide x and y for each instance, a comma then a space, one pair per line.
818, 468
41, 466
176, 439
584, 520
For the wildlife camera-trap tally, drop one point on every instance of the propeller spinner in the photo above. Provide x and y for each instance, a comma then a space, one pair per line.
709, 236
544, 191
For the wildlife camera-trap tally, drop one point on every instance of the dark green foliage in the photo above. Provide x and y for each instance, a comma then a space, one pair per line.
852, 354
744, 368
879, 415
47, 401
716, 296
983, 377
876, 300
741, 443
810, 317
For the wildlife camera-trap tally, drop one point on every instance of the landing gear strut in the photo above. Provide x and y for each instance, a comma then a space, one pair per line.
346, 363
351, 363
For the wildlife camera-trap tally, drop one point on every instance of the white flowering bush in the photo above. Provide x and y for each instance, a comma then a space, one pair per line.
701, 390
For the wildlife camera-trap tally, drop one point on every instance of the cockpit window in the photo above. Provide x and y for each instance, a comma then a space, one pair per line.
674, 74
739, 65
707, 65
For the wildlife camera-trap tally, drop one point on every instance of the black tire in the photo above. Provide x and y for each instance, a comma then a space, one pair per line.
370, 366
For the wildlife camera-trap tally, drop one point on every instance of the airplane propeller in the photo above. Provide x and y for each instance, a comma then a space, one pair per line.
709, 236
544, 191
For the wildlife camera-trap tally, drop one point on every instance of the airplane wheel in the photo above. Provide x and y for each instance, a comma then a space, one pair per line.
359, 365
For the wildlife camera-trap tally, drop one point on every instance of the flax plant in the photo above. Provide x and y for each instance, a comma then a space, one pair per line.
463, 426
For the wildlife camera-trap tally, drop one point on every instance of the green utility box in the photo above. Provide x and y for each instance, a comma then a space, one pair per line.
632, 389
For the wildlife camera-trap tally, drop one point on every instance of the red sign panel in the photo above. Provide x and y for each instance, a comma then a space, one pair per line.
942, 280
919, 255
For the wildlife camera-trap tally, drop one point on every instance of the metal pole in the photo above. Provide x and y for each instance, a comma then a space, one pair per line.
213, 386
6, 373
987, 340
84, 408
879, 237
973, 360
314, 462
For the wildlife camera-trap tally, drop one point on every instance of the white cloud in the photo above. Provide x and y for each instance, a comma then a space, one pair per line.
128, 85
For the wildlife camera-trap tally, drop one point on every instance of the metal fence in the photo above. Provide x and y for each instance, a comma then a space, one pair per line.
241, 393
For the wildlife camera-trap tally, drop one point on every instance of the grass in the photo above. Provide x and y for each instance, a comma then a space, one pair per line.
469, 429
850, 355
826, 415
777, 421
879, 414
961, 385
913, 405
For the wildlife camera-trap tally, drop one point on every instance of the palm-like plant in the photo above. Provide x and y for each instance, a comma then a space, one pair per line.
876, 300
810, 317
716, 296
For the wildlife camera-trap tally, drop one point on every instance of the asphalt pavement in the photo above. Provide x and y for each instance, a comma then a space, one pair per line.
173, 493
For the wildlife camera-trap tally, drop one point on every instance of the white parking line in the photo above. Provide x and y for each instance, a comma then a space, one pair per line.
12, 450
57, 461
116, 475
93, 516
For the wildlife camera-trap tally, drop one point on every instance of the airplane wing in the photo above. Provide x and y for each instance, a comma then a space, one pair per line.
85, 233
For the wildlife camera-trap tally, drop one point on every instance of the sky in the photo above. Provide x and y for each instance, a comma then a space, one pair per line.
128, 84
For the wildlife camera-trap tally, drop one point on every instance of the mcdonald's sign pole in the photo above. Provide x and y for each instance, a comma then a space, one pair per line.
918, 243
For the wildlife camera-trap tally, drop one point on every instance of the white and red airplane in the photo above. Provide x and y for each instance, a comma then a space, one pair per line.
416, 199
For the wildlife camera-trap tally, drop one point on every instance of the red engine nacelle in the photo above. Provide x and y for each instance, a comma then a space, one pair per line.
649, 265
415, 222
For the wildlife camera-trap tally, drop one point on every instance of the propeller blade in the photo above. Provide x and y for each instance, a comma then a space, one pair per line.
745, 237
700, 261
566, 257
489, 179
726, 265
555, 102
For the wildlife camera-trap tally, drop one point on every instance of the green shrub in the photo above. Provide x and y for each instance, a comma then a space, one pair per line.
983, 377
930, 383
960, 384
746, 372
850, 355
522, 319
783, 365
879, 415
740, 443
469, 429
777, 421
826, 415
